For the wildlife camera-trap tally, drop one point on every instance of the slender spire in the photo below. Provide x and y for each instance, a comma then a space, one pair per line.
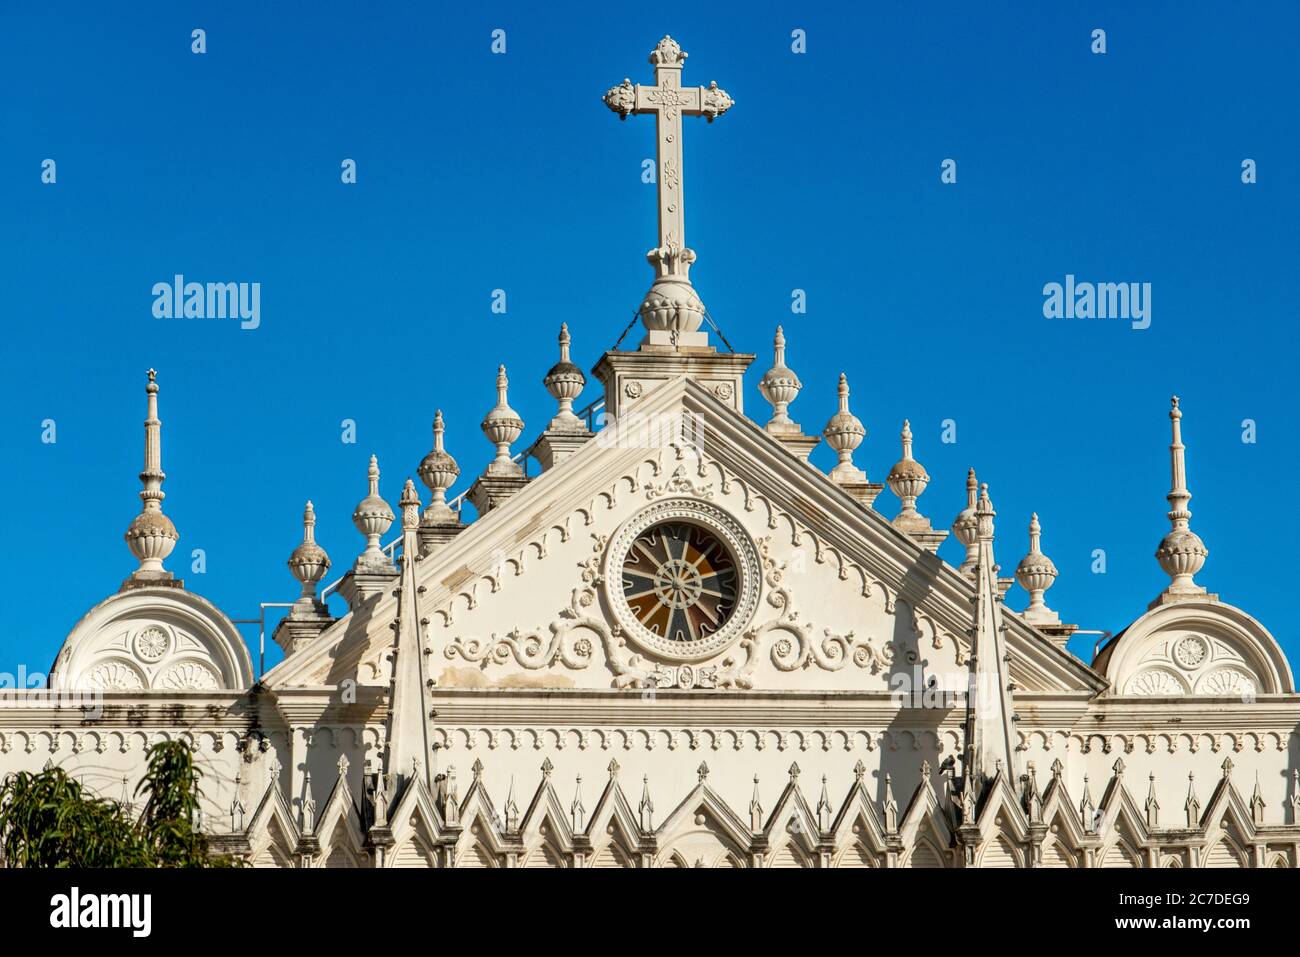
1036, 573
151, 536
890, 803
964, 527
372, 517
1257, 803
755, 810
565, 383
989, 716
406, 741
502, 426
646, 808
844, 433
824, 808
1181, 553
1191, 805
1153, 805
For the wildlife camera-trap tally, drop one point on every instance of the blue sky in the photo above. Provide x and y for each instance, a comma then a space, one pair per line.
479, 172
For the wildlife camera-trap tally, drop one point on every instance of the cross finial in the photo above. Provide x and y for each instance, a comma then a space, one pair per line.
672, 312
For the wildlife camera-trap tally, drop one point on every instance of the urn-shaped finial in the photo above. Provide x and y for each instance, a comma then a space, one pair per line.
908, 479
438, 471
844, 433
502, 426
780, 386
1181, 552
151, 536
372, 517
1036, 573
308, 563
565, 383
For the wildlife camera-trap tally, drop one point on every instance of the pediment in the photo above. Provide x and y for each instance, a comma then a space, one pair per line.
833, 597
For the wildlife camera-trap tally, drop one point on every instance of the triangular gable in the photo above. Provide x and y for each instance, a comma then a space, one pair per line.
613, 808
793, 816
273, 808
794, 499
858, 810
703, 798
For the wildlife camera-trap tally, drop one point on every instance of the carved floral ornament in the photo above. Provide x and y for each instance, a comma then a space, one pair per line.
1193, 664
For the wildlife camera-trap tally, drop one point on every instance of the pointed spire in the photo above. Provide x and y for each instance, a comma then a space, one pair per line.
438, 471
1033, 797
646, 809
780, 386
989, 715
1295, 797
1181, 553
373, 517
1087, 810
565, 383
890, 805
307, 806
576, 809
151, 536
844, 433
964, 526
450, 795
308, 563
1153, 805
237, 809
1036, 574
824, 808
512, 809
406, 732
502, 426
1257, 803
755, 807
1191, 805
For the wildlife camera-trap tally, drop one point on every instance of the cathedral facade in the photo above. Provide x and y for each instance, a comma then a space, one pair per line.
669, 640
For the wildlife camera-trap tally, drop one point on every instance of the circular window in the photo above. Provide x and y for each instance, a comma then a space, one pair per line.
682, 578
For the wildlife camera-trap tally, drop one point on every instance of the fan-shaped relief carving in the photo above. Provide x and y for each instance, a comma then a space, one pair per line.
1156, 682
1227, 682
188, 676
115, 675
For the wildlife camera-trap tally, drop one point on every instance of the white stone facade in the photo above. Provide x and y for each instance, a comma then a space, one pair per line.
494, 696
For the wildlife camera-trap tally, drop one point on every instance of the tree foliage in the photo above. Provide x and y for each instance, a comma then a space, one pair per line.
50, 820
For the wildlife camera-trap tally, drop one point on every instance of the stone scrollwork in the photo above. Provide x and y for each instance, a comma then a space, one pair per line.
531, 649
794, 644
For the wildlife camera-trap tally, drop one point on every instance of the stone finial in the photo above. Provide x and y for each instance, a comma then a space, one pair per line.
646, 808
372, 517
1181, 553
1191, 805
151, 536
780, 386
511, 808
308, 563
565, 383
1036, 573
844, 433
965, 526
438, 471
984, 515
1257, 803
824, 808
908, 479
410, 505
502, 427
1152, 805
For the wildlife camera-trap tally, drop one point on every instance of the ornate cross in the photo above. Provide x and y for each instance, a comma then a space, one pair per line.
669, 101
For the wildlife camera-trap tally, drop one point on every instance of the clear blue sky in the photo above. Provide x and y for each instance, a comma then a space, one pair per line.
479, 171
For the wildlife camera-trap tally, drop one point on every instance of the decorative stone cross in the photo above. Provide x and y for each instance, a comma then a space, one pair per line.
671, 306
